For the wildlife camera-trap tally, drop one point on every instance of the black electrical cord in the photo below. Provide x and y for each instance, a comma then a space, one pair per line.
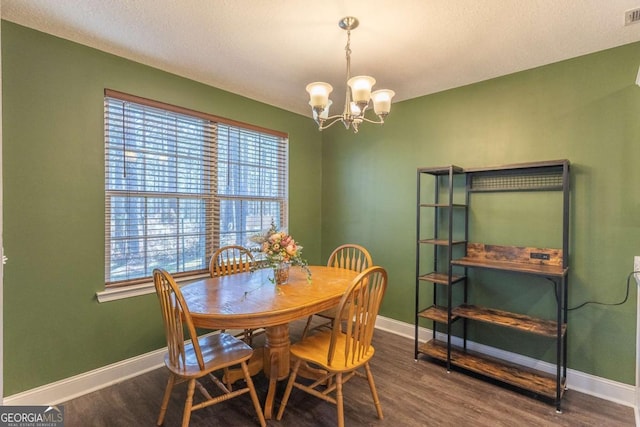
626, 297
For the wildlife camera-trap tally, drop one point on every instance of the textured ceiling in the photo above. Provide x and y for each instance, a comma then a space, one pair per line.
270, 50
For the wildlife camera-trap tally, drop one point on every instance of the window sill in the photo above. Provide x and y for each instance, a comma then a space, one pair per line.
114, 294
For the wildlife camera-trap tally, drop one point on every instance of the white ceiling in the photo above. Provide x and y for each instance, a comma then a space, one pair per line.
270, 50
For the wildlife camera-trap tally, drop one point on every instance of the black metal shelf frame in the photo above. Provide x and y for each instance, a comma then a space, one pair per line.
524, 177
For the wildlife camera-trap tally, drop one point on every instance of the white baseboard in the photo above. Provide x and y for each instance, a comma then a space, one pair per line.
69, 388
78, 385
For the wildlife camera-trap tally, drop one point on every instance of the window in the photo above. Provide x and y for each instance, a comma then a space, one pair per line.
179, 184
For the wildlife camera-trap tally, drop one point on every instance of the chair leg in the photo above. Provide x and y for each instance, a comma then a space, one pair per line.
227, 379
339, 400
374, 393
252, 392
287, 391
165, 398
188, 403
306, 327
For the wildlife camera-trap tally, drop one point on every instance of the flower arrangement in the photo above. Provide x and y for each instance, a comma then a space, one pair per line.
280, 251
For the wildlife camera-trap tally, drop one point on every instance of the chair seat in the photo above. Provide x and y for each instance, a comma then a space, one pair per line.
218, 351
314, 349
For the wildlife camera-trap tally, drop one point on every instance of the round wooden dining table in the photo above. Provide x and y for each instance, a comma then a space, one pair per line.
250, 300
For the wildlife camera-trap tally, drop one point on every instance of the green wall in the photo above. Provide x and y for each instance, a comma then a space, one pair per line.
363, 191
53, 167
586, 110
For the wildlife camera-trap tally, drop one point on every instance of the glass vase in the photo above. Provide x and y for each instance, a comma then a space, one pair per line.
281, 273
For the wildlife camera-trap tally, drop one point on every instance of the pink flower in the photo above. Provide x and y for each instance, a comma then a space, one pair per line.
275, 237
291, 249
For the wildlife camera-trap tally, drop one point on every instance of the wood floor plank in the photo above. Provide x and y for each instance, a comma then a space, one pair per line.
412, 393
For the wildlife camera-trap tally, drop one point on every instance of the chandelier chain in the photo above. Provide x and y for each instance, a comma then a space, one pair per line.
347, 98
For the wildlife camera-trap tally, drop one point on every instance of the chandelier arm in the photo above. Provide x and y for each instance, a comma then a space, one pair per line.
378, 122
332, 121
334, 117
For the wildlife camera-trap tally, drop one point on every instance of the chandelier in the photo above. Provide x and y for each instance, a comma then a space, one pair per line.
358, 94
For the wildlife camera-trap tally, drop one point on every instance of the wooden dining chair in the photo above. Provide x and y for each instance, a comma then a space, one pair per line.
341, 351
350, 256
230, 260
233, 259
190, 361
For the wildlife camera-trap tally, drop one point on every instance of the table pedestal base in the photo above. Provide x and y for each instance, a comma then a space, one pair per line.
276, 362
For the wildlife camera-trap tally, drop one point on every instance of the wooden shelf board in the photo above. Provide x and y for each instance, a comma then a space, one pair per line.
539, 261
521, 322
440, 278
516, 267
442, 170
437, 313
441, 242
505, 372
442, 205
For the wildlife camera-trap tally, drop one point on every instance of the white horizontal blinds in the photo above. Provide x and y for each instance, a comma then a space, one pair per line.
179, 184
159, 196
252, 183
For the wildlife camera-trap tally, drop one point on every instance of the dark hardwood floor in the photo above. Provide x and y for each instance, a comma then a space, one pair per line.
412, 394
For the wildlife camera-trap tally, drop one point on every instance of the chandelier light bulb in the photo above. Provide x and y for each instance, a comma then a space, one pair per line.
382, 101
319, 94
324, 114
361, 88
354, 109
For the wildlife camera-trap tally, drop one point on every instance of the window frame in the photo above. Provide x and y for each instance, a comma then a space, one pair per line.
141, 285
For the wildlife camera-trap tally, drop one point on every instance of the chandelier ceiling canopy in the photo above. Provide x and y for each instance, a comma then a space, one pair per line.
357, 97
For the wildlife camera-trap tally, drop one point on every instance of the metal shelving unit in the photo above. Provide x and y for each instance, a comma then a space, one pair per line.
540, 263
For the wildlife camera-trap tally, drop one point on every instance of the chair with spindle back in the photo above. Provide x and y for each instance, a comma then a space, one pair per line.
200, 357
341, 351
350, 256
230, 260
233, 259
